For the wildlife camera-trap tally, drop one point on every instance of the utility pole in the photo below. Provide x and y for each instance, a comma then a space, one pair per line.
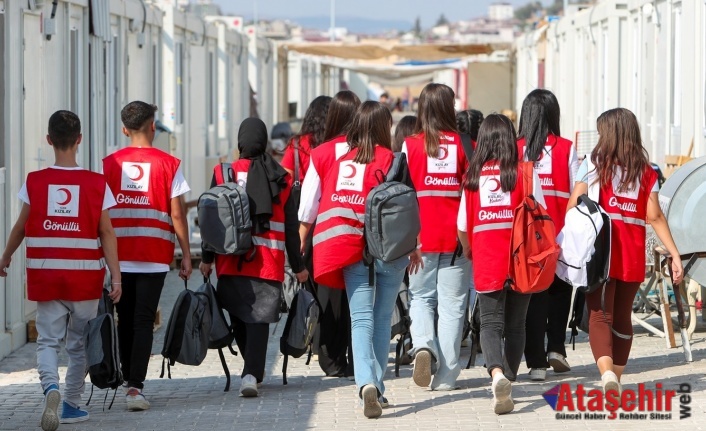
332, 34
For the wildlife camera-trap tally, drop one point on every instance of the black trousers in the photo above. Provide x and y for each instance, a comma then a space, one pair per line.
548, 313
335, 348
136, 313
252, 343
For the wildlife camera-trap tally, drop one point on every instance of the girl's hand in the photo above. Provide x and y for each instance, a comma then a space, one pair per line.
677, 270
415, 261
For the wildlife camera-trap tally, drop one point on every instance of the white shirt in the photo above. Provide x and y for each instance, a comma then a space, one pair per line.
179, 187
310, 196
462, 220
108, 198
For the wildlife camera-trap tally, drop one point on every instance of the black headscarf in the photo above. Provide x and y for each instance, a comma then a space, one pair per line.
266, 178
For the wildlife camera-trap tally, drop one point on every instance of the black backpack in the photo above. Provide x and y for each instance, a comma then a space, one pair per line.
100, 341
188, 331
298, 332
221, 335
401, 324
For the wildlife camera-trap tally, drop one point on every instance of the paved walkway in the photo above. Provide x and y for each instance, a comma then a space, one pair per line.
194, 398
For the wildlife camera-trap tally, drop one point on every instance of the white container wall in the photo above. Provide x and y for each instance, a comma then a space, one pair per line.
647, 56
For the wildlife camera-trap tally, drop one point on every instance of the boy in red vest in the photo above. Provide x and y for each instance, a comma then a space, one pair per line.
148, 184
69, 240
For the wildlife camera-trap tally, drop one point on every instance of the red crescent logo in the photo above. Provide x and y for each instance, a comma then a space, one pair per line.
68, 196
497, 185
443, 153
353, 171
140, 173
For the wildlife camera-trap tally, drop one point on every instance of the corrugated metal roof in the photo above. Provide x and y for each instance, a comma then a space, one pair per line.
100, 19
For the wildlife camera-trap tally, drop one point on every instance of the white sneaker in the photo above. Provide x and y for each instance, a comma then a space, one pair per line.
502, 395
538, 374
558, 362
371, 404
136, 401
422, 368
50, 415
611, 383
248, 387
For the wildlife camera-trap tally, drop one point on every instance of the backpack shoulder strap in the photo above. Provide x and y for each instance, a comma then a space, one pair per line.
296, 162
467, 144
224, 174
527, 177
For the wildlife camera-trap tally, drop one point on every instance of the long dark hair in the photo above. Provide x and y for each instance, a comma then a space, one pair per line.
540, 116
469, 122
314, 121
619, 144
405, 127
496, 142
436, 114
340, 114
370, 127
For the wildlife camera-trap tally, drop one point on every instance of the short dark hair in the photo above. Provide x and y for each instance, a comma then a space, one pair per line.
64, 129
136, 115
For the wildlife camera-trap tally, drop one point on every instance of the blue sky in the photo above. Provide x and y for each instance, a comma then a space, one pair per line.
427, 10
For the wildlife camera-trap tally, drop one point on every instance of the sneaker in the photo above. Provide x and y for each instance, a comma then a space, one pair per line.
538, 374
136, 401
248, 387
125, 387
371, 404
422, 368
383, 402
50, 417
558, 362
610, 382
445, 387
72, 415
502, 395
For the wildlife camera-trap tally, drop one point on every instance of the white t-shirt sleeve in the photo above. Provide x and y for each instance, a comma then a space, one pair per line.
23, 195
537, 189
582, 172
179, 184
573, 165
108, 198
462, 219
310, 196
404, 149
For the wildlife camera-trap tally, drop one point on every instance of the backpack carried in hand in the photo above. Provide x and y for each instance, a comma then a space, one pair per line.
221, 335
401, 323
392, 221
298, 332
100, 341
533, 248
188, 331
224, 215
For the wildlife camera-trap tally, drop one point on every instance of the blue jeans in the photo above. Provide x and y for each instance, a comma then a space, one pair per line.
440, 290
371, 310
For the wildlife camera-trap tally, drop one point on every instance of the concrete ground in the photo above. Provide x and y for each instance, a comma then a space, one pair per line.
194, 398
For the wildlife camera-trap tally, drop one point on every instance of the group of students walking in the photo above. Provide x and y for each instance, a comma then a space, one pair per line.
310, 210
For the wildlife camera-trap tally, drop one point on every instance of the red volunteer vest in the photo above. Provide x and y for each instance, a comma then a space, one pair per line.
64, 257
268, 262
141, 179
554, 175
489, 213
438, 185
628, 212
338, 235
288, 160
324, 156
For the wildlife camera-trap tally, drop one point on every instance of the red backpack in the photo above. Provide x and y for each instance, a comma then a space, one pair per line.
533, 248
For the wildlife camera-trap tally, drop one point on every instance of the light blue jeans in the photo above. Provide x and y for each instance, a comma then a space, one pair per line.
440, 290
371, 310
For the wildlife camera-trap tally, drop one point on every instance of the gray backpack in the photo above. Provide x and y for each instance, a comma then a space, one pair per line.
298, 332
188, 331
224, 216
392, 221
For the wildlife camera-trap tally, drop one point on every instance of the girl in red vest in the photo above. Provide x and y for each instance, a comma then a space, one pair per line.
310, 136
250, 290
440, 288
405, 127
492, 190
629, 194
339, 246
556, 163
332, 341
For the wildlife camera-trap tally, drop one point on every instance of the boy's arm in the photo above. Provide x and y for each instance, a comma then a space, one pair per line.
17, 235
110, 250
182, 232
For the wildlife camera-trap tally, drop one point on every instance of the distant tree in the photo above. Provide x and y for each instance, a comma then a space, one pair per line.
442, 20
417, 29
528, 11
556, 8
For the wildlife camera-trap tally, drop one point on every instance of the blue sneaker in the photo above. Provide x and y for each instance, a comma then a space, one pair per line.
71, 414
50, 418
